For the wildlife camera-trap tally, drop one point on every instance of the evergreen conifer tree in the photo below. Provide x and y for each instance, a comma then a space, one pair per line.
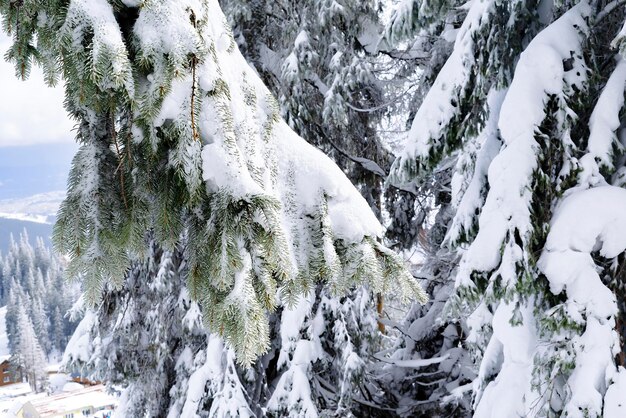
529, 104
57, 330
29, 357
148, 338
11, 316
141, 334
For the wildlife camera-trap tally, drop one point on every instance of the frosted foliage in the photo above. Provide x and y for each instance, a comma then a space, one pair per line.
110, 67
324, 340
229, 164
409, 16
161, 36
151, 346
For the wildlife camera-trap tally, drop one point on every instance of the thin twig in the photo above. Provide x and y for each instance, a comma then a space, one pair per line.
195, 135
194, 62
120, 157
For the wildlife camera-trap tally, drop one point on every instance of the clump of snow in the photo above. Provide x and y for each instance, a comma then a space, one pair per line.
566, 259
314, 175
71, 387
615, 398
293, 390
290, 326
220, 172
605, 120
220, 374
509, 356
58, 382
79, 348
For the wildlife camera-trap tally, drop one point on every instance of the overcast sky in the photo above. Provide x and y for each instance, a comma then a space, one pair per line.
30, 112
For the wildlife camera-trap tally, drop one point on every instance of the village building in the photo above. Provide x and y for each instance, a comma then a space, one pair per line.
76, 404
7, 374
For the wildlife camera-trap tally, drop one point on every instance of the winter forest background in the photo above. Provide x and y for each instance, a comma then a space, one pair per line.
317, 208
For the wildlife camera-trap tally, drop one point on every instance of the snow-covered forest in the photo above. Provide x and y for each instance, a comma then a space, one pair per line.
333, 208
37, 300
32, 280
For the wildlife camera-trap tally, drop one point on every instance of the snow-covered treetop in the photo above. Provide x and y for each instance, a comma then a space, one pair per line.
178, 134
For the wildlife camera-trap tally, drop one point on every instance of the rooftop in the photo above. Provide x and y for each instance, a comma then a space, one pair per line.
94, 396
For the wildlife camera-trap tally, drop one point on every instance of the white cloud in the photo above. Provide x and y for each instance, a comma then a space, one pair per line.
30, 111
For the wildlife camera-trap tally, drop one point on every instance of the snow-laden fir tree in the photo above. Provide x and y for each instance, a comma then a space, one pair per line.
177, 133
428, 371
148, 338
530, 103
28, 358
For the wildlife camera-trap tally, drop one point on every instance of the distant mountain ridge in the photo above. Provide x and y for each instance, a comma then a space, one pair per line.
35, 214
40, 208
